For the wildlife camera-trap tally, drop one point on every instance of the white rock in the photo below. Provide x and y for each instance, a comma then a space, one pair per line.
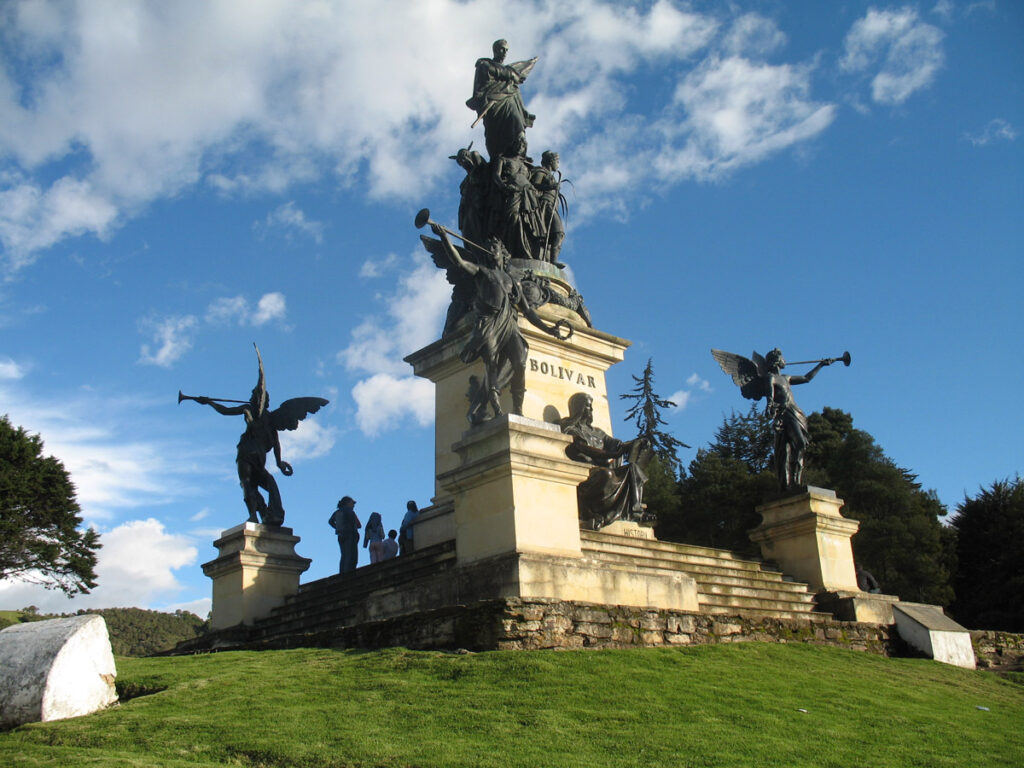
50, 670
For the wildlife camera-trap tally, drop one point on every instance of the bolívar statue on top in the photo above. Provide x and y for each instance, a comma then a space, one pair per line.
260, 436
762, 377
497, 101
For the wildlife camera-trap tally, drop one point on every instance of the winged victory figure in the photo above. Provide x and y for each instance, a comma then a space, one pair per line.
762, 377
260, 436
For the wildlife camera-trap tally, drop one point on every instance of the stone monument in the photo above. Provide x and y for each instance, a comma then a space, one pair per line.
55, 669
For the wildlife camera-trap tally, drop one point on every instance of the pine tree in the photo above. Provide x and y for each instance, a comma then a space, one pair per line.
989, 575
646, 412
39, 537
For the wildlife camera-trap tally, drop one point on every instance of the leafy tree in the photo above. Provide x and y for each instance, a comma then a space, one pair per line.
39, 537
901, 540
748, 438
646, 412
989, 576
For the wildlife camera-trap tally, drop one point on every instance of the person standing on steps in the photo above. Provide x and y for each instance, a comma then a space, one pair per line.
346, 525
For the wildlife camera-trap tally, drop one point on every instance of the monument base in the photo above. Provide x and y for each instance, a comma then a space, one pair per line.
809, 540
257, 568
858, 606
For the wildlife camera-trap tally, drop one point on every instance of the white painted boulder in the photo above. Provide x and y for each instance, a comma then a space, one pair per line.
51, 670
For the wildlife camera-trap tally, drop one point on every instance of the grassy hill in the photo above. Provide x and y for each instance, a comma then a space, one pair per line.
748, 704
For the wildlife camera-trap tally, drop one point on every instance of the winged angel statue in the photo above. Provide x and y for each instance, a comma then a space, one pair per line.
763, 377
484, 285
260, 436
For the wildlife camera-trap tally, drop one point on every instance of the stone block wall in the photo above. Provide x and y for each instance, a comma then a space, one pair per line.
1001, 651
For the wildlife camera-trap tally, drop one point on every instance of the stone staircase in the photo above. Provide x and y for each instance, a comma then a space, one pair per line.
341, 600
727, 583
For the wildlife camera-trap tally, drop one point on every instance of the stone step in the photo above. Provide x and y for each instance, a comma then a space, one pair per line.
713, 588
757, 603
633, 548
666, 546
720, 573
726, 611
403, 567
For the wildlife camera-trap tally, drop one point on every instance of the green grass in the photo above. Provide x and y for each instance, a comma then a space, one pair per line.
726, 705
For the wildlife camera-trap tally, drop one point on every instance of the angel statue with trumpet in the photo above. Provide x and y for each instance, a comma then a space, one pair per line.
260, 436
496, 299
763, 377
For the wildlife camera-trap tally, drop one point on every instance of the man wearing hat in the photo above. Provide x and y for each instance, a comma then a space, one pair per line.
346, 525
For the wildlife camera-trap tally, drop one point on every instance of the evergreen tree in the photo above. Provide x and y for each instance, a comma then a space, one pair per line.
989, 576
748, 438
39, 536
901, 540
646, 412
661, 492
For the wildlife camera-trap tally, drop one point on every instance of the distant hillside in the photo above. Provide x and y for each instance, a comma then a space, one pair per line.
133, 631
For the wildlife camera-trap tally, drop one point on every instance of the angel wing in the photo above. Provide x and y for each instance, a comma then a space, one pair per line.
261, 383
289, 413
441, 260
748, 375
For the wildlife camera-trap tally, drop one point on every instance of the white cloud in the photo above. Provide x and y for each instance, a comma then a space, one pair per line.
309, 441
753, 34
944, 8
696, 382
739, 112
680, 398
173, 335
202, 514
906, 51
111, 473
412, 319
236, 309
378, 267
135, 568
996, 130
141, 101
290, 219
10, 370
383, 401
271, 306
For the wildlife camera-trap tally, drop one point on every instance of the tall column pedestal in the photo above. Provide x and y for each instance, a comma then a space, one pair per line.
809, 539
257, 568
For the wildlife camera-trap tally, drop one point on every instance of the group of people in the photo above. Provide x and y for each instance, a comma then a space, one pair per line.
346, 526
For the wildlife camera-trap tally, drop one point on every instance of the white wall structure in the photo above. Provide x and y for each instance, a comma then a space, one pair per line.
51, 670
929, 630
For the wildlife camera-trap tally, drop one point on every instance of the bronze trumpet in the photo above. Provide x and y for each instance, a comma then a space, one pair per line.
423, 218
845, 358
218, 399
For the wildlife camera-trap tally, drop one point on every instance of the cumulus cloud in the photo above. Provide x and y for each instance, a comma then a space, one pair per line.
10, 370
172, 338
237, 310
904, 51
996, 130
109, 107
309, 441
377, 267
411, 320
695, 387
135, 567
290, 220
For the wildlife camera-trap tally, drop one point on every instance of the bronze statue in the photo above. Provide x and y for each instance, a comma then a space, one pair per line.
520, 223
763, 377
260, 436
497, 298
547, 179
474, 191
497, 101
615, 488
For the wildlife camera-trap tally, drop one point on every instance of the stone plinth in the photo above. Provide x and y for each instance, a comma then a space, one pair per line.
808, 538
555, 371
514, 490
257, 568
858, 606
929, 630
55, 669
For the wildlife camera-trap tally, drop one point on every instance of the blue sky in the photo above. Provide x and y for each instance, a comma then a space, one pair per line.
180, 180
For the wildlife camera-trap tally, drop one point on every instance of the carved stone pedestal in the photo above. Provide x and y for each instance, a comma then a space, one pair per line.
809, 540
514, 490
257, 568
